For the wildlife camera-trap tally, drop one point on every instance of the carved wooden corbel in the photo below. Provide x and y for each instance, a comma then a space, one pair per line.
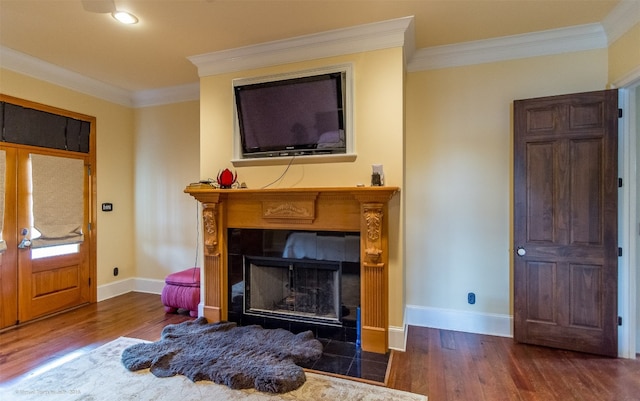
209, 214
372, 214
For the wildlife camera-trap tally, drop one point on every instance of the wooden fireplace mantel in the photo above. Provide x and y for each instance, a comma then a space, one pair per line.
348, 209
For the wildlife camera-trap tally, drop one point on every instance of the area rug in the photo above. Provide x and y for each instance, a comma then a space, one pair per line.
100, 375
225, 353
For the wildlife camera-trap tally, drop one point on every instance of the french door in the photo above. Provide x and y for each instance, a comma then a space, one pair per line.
47, 258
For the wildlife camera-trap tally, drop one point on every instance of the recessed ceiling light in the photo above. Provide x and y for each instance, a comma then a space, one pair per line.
125, 17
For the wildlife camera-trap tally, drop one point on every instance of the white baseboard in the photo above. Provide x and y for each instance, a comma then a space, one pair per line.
471, 322
121, 287
151, 286
398, 338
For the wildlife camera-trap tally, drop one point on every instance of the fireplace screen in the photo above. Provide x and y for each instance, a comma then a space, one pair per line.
292, 288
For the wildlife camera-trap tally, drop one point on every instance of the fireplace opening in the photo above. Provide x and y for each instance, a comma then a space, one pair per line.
296, 280
292, 289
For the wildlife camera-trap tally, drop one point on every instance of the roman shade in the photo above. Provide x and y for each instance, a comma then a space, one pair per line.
58, 201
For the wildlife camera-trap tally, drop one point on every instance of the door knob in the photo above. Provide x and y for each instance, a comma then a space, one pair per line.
25, 243
521, 251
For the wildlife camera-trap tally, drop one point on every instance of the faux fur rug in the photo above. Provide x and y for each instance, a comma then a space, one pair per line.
238, 356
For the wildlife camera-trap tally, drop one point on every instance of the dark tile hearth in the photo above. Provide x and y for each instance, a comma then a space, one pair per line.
346, 359
340, 354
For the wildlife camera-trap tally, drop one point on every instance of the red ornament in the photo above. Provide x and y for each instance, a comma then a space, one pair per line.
226, 178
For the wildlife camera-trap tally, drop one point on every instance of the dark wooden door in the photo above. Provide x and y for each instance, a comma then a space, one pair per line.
565, 222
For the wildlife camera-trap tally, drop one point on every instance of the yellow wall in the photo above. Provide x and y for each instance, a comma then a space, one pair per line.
459, 173
115, 155
624, 54
378, 126
166, 161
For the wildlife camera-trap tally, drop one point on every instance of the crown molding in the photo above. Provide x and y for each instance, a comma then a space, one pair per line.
36, 68
622, 18
361, 38
381, 35
171, 94
554, 41
632, 78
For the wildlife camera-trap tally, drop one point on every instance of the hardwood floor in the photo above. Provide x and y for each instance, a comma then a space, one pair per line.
448, 366
44, 342
444, 365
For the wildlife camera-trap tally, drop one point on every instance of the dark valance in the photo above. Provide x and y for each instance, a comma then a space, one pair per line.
26, 126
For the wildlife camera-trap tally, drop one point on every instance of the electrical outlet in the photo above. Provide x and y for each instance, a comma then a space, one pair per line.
471, 298
115, 271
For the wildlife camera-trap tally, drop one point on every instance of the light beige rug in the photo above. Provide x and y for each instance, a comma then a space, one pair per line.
99, 375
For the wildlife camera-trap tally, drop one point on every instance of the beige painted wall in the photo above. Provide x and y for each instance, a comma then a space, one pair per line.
378, 129
624, 55
459, 173
166, 160
637, 244
115, 155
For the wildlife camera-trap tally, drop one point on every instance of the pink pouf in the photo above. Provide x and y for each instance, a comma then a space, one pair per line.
182, 291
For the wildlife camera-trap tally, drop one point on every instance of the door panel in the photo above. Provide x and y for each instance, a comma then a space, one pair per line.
53, 283
8, 258
565, 222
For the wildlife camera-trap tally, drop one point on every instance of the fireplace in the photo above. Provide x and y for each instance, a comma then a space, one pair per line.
295, 280
292, 289
362, 210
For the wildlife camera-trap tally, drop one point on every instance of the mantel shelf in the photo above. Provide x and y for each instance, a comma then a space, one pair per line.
385, 193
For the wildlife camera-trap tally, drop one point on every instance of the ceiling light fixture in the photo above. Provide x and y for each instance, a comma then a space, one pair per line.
125, 17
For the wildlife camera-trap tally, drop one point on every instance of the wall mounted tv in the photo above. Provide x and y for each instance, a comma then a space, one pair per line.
300, 114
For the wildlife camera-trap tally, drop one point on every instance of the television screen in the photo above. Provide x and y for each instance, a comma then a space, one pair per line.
297, 116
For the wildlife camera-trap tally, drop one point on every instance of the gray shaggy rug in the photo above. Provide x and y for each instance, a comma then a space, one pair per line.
224, 353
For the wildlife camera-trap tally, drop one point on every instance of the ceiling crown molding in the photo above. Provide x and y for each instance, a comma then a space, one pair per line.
171, 94
368, 37
554, 41
622, 18
36, 68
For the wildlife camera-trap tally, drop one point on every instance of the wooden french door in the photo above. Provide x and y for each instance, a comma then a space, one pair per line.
9, 258
50, 283
48, 246
49, 279
565, 222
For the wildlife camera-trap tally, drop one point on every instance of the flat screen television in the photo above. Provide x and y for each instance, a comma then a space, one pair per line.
292, 115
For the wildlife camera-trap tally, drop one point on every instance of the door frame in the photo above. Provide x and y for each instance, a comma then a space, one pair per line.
91, 235
628, 217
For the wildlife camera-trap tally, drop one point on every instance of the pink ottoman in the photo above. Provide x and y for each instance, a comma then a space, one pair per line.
182, 291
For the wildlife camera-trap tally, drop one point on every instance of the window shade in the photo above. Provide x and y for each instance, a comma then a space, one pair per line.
28, 126
58, 200
3, 170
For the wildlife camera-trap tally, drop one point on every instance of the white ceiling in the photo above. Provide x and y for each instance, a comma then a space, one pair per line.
153, 54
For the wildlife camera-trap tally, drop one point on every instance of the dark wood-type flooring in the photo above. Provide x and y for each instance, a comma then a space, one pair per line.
444, 365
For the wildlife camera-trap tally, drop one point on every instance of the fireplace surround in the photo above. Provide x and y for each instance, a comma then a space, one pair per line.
340, 209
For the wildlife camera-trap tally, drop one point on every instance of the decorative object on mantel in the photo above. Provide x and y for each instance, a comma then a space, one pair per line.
237, 356
226, 179
377, 175
99, 376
